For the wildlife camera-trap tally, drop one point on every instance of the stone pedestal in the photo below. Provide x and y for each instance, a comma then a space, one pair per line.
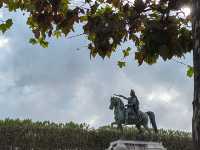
135, 145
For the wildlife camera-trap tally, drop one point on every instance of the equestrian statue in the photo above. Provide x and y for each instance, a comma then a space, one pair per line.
130, 114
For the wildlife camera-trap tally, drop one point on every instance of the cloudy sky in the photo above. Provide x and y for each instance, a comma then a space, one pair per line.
62, 84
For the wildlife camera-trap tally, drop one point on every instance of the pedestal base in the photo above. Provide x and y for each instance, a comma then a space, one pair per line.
135, 145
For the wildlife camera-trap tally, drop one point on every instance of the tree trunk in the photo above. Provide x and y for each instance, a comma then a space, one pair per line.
196, 61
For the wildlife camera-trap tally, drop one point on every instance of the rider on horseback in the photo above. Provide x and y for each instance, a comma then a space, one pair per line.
133, 105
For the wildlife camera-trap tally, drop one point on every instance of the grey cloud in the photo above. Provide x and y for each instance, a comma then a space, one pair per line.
62, 84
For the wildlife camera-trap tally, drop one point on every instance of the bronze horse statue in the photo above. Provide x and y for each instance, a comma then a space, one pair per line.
139, 119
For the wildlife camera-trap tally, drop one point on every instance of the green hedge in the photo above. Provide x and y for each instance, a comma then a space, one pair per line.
28, 135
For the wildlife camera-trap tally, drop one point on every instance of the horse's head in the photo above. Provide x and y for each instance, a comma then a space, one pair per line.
112, 102
115, 101
117, 105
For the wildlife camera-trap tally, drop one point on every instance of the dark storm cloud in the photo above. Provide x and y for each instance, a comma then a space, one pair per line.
63, 84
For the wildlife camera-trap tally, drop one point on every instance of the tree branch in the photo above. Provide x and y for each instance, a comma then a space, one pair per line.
73, 36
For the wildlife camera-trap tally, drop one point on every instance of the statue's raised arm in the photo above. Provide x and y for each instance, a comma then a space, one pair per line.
121, 96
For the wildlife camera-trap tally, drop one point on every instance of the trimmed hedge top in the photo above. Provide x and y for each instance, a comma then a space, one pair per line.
28, 135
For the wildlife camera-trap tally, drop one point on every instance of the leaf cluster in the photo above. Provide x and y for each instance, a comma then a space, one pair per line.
157, 28
6, 25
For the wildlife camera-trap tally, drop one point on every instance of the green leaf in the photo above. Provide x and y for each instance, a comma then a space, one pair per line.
139, 56
12, 5
57, 34
40, 41
83, 18
6, 25
33, 41
9, 23
126, 52
190, 71
109, 53
121, 64
43, 43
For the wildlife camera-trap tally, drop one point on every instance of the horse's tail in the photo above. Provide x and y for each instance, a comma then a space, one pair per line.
153, 120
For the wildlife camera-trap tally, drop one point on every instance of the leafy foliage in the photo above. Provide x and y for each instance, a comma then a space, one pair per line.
121, 64
190, 71
26, 135
157, 28
6, 25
